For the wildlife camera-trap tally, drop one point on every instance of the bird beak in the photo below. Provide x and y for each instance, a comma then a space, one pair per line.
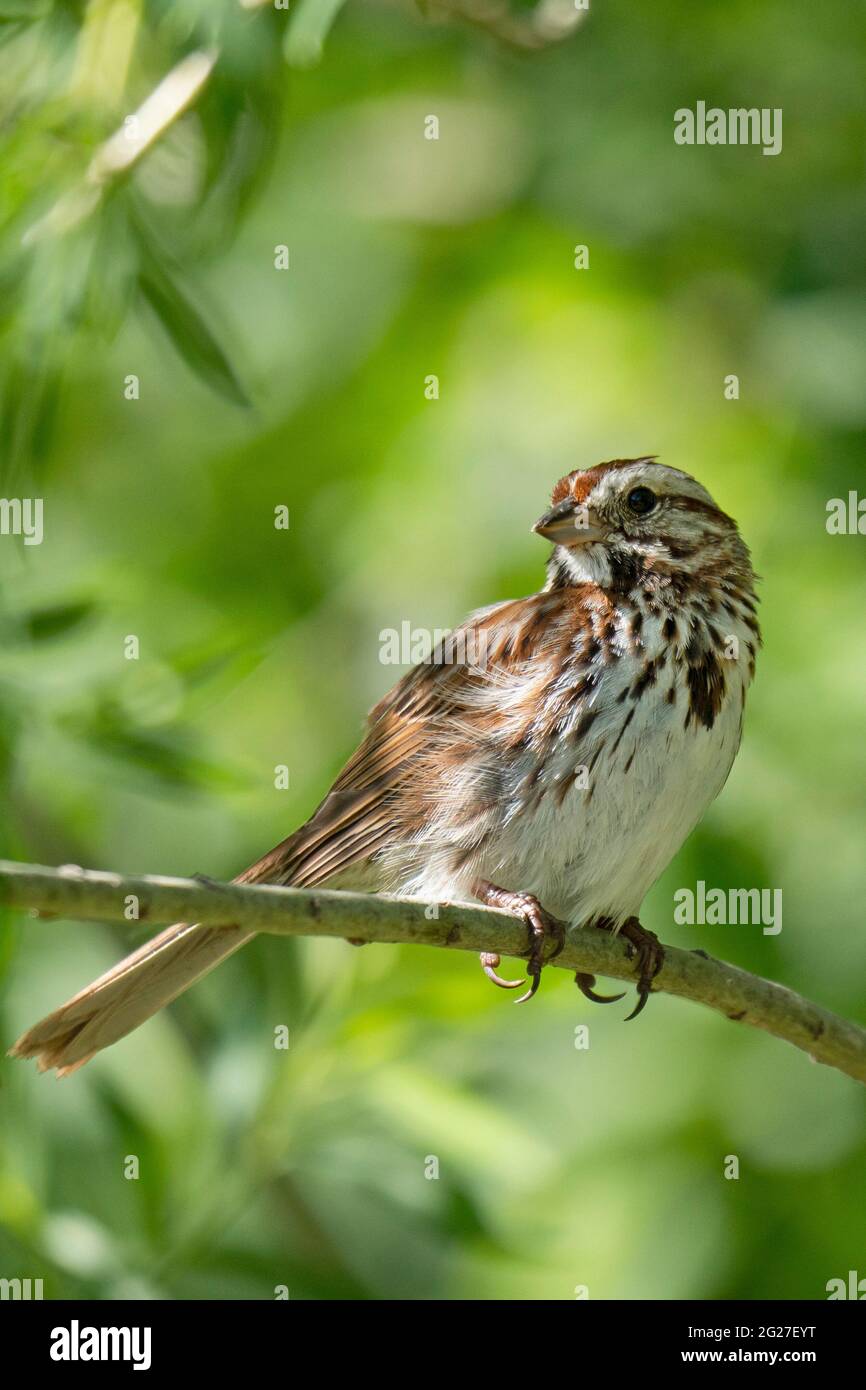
569, 523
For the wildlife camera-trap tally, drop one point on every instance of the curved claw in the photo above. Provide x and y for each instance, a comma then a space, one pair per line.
642, 997
650, 953
586, 983
536, 981
489, 962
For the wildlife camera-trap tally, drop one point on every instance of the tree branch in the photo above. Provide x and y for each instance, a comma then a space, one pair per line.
362, 917
528, 31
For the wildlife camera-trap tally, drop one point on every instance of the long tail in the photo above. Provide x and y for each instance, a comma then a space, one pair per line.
126, 996
320, 851
138, 987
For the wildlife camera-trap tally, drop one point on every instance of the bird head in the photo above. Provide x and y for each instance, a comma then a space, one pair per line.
631, 516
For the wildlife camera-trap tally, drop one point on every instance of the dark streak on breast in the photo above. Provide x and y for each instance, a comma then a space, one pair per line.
629, 717
584, 724
647, 677
706, 684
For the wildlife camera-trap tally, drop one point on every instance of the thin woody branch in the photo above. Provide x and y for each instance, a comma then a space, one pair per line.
527, 31
129, 143
91, 895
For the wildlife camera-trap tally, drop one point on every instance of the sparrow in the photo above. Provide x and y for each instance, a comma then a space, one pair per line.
549, 758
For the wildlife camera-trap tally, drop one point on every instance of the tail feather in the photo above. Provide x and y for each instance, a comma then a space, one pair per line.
140, 985
126, 996
163, 968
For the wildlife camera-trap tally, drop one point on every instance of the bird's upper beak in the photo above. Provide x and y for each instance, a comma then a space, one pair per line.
570, 523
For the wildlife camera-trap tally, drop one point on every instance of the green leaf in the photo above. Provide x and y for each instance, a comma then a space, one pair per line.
307, 30
213, 671
46, 623
29, 397
187, 328
162, 757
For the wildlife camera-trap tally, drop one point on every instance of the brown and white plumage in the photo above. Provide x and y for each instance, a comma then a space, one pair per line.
561, 745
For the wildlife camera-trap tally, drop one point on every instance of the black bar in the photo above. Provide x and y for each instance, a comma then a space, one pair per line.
236, 1338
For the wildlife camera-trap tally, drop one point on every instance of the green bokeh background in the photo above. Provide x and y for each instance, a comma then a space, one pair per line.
305, 1168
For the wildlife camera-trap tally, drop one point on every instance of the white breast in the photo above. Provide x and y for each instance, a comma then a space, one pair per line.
595, 851
599, 852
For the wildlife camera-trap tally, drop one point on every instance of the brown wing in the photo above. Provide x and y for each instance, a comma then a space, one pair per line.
438, 714
442, 717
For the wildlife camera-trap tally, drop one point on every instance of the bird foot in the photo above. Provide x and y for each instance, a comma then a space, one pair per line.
542, 928
639, 942
586, 985
650, 955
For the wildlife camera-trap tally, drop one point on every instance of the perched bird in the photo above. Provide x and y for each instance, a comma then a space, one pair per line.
549, 758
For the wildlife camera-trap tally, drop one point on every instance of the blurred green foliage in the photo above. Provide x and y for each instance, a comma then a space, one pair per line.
305, 388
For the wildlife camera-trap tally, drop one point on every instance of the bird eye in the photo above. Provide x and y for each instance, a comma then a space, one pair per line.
641, 500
